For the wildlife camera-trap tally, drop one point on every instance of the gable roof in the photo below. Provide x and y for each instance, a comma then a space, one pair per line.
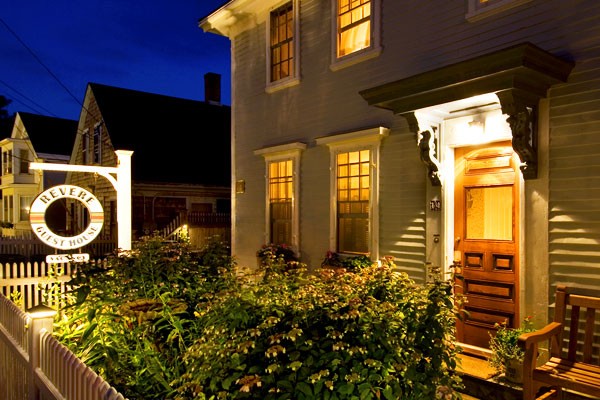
49, 135
173, 140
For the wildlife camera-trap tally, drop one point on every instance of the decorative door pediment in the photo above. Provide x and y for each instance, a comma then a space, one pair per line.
519, 76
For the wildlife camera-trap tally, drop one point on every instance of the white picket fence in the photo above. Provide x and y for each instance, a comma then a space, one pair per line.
33, 364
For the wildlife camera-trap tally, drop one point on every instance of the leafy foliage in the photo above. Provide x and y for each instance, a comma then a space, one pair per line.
168, 323
132, 320
367, 335
351, 263
504, 344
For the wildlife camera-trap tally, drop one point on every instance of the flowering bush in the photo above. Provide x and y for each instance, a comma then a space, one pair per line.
351, 263
368, 335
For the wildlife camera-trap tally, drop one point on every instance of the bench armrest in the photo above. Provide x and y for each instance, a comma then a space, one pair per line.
529, 343
527, 339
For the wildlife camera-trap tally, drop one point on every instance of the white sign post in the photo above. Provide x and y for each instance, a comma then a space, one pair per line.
121, 183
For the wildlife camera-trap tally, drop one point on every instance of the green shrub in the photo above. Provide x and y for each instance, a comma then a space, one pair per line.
366, 335
130, 320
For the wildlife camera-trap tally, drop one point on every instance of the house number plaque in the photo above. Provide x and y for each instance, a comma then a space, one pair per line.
41, 203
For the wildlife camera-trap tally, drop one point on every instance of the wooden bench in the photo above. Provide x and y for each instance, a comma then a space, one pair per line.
574, 361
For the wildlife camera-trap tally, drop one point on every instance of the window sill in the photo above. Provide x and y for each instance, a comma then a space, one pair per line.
355, 58
281, 84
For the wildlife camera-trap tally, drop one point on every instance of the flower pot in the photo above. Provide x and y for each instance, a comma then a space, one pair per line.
514, 371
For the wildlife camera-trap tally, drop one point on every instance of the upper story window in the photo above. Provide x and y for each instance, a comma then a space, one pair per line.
24, 161
479, 9
356, 30
7, 162
354, 26
283, 49
97, 145
8, 209
85, 146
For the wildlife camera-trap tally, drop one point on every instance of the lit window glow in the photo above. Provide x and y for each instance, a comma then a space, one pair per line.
354, 26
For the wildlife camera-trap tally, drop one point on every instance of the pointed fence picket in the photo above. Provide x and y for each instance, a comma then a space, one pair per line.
35, 366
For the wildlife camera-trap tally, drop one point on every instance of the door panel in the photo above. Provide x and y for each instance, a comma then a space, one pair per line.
486, 215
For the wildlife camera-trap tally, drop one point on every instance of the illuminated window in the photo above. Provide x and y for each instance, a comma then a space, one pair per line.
97, 145
353, 196
25, 203
24, 161
280, 201
354, 223
354, 26
282, 42
479, 9
282, 192
7, 162
283, 47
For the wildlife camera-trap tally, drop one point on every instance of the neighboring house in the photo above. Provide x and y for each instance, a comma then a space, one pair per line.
180, 162
34, 138
455, 132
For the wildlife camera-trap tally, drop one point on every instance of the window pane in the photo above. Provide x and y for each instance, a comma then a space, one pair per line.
489, 213
353, 182
354, 26
280, 201
282, 42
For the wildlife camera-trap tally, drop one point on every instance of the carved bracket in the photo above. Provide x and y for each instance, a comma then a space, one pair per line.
521, 108
427, 148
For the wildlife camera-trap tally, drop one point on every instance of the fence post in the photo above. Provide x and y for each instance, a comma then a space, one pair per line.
40, 317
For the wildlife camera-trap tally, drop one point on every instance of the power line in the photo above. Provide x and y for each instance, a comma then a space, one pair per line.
39, 61
28, 99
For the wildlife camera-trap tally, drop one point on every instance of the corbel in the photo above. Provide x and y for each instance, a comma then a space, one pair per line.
521, 108
426, 144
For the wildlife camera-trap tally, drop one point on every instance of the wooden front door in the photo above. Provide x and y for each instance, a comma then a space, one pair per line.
486, 218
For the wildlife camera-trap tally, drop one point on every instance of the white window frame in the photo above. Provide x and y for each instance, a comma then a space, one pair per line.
477, 11
85, 147
294, 79
24, 161
290, 151
358, 140
96, 144
372, 51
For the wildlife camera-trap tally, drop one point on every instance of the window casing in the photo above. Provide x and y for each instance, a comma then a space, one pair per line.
97, 145
7, 162
283, 47
24, 161
85, 146
282, 212
8, 207
479, 9
354, 221
356, 30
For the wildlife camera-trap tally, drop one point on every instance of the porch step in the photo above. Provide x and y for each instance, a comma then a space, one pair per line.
482, 382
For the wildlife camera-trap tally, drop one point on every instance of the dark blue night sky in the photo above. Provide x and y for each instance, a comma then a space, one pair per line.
154, 46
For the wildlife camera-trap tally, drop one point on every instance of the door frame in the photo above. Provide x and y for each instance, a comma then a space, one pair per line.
448, 144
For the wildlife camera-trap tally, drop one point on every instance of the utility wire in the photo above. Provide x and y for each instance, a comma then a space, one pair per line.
28, 99
95, 117
39, 61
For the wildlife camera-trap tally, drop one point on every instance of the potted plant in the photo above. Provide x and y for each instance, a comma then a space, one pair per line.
507, 356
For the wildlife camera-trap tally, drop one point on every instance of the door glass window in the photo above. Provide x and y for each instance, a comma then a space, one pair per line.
489, 212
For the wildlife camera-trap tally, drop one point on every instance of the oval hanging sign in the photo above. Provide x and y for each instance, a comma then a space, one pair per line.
41, 203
